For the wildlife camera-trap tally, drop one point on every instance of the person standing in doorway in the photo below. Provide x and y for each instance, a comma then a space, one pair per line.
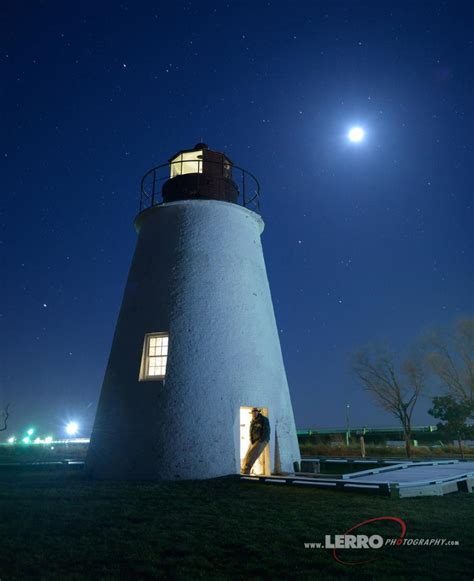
259, 438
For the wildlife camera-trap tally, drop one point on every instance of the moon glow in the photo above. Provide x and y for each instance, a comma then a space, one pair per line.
356, 134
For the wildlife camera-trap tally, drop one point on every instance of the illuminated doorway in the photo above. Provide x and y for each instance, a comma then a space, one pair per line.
262, 464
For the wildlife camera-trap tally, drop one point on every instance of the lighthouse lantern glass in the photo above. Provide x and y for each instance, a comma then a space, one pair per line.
186, 162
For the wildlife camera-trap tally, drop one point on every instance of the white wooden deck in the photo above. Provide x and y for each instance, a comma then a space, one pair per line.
421, 478
400, 480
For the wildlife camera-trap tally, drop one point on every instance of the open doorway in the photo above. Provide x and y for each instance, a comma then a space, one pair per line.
262, 465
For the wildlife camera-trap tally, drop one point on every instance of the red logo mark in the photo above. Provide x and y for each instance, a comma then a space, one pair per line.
399, 541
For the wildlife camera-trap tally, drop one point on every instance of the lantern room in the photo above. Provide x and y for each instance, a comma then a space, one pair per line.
200, 173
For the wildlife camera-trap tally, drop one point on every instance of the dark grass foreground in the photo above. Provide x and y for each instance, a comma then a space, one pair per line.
59, 525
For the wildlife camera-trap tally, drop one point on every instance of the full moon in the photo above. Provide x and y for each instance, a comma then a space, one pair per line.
356, 134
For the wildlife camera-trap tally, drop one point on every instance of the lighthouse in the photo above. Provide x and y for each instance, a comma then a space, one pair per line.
196, 344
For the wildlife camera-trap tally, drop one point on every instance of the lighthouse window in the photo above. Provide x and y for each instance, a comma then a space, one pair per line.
189, 162
155, 356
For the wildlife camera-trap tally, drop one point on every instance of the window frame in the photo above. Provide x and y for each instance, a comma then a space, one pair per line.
145, 361
186, 163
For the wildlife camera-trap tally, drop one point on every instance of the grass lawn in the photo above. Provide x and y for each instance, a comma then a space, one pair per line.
60, 525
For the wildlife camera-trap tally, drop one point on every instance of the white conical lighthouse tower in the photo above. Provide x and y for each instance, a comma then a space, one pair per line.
196, 344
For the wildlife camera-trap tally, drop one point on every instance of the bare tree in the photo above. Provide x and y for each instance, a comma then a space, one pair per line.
450, 356
4, 417
394, 390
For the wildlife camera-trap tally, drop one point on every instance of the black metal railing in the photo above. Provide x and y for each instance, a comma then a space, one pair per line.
246, 183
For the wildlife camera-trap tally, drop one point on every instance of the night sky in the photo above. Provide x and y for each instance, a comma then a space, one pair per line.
363, 242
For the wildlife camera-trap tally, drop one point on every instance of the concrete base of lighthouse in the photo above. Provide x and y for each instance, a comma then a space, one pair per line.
198, 274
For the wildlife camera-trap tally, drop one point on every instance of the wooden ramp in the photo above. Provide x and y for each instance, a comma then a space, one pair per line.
399, 480
335, 483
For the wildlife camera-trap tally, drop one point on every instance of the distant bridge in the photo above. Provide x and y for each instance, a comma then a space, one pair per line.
362, 431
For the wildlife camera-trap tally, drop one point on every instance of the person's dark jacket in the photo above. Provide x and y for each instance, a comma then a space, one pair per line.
259, 429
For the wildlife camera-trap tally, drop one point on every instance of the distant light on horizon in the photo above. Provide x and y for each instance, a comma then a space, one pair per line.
30, 432
356, 134
72, 428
